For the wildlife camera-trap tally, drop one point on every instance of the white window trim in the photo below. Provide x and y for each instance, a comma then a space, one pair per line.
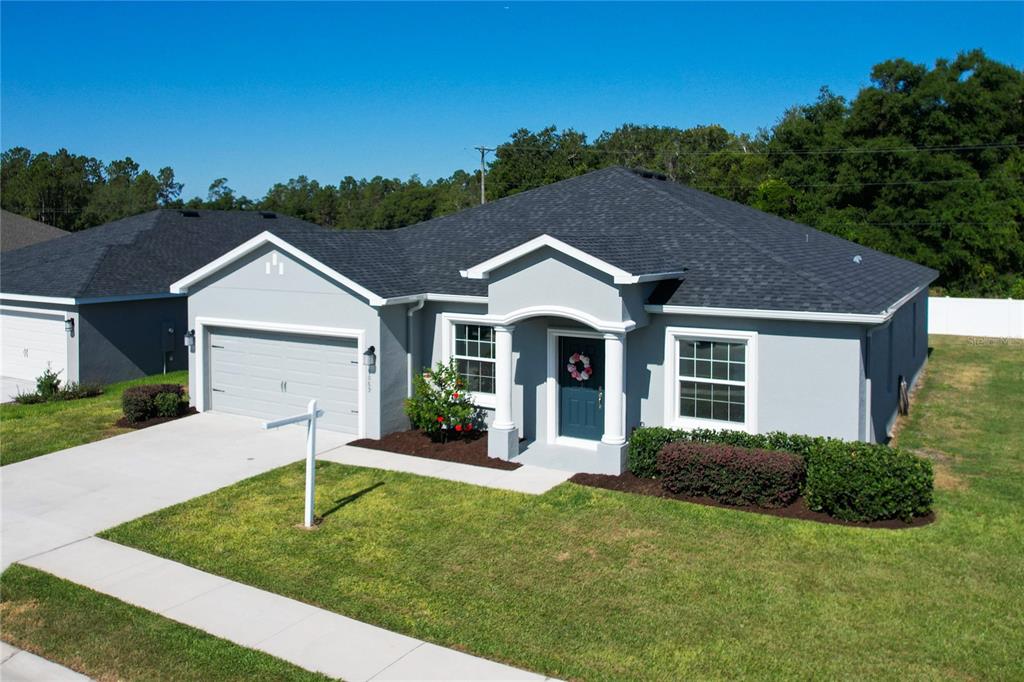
671, 368
202, 327
448, 322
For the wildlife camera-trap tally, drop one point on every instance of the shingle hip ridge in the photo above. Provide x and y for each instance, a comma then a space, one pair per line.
824, 286
84, 289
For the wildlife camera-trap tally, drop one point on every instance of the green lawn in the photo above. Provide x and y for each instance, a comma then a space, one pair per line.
593, 584
108, 639
28, 431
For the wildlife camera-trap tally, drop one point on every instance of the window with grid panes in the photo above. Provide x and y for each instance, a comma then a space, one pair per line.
473, 350
712, 379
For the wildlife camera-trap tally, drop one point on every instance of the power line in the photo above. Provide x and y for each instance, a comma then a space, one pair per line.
511, 146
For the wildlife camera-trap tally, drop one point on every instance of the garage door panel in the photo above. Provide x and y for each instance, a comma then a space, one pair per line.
247, 369
31, 343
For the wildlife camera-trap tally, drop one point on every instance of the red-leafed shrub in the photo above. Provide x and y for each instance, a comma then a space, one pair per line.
731, 475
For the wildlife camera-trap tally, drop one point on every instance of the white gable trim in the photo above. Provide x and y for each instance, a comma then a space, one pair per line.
619, 276
183, 284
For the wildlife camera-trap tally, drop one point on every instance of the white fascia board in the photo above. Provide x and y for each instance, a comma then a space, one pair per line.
798, 315
38, 299
183, 284
446, 298
482, 270
85, 300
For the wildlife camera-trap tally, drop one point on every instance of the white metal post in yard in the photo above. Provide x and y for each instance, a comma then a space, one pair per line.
310, 418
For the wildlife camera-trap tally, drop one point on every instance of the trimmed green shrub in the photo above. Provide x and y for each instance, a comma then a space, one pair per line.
644, 445
167, 404
441, 406
731, 474
29, 398
48, 389
74, 391
139, 402
48, 384
850, 480
866, 482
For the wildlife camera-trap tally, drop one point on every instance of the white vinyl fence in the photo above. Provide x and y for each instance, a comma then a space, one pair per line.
996, 317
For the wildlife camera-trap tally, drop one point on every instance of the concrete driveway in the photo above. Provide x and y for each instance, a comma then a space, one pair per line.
50, 501
11, 386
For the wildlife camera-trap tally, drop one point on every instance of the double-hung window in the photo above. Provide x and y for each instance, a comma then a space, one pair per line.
712, 379
473, 350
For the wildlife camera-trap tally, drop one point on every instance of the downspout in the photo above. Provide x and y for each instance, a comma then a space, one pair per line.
410, 337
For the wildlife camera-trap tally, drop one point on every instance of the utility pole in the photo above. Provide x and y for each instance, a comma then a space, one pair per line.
483, 169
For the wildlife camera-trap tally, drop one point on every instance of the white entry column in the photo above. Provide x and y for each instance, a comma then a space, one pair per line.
503, 377
614, 385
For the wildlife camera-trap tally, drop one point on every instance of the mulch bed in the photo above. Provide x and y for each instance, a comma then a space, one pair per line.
125, 424
629, 483
464, 449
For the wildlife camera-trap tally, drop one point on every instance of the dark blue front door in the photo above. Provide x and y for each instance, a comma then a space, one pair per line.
580, 388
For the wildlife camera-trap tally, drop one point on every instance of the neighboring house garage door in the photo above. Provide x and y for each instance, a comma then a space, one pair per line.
269, 375
33, 342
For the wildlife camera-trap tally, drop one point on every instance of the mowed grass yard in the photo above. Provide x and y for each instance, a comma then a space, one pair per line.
108, 639
591, 584
28, 431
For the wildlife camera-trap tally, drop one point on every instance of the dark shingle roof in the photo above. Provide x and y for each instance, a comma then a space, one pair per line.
733, 256
17, 231
139, 255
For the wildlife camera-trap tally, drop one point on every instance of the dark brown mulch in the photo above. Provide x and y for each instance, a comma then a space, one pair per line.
464, 449
629, 483
125, 424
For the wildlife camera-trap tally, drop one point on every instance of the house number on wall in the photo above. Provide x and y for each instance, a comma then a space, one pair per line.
273, 262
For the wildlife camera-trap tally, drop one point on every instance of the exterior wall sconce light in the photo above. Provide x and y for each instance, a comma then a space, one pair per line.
370, 357
190, 340
69, 326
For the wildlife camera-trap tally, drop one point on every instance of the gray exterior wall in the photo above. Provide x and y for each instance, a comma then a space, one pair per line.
127, 340
890, 351
809, 373
301, 296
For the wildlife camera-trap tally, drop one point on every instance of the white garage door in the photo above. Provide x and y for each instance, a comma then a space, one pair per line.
269, 375
33, 342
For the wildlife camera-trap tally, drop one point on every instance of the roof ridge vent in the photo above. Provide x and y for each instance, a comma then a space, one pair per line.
646, 173
269, 215
188, 213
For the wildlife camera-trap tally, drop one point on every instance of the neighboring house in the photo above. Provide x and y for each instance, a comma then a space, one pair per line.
576, 312
17, 231
95, 305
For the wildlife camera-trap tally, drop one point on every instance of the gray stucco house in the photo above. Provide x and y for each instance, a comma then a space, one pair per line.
576, 312
95, 305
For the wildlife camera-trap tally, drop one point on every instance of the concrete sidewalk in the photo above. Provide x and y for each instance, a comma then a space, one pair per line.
529, 479
65, 496
21, 666
305, 635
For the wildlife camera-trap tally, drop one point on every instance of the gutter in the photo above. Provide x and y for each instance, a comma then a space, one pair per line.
410, 336
798, 315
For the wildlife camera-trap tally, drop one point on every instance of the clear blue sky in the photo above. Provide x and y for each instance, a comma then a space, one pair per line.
259, 93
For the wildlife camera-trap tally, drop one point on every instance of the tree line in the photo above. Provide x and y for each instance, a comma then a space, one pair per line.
924, 163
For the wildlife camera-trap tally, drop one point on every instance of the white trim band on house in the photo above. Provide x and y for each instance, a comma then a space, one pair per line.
619, 276
183, 284
203, 325
799, 315
673, 377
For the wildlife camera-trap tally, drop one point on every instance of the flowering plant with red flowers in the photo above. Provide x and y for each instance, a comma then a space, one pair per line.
441, 406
